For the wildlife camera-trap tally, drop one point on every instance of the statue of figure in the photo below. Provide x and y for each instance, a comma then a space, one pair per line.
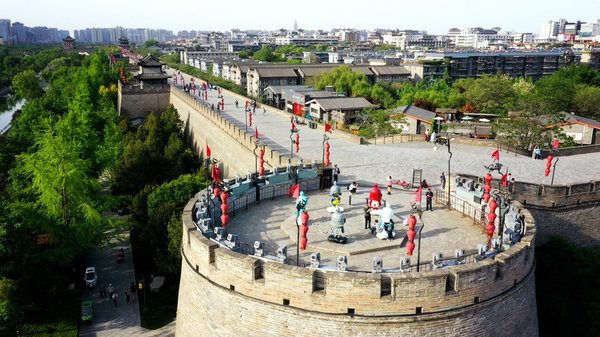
387, 218
335, 190
301, 203
337, 227
375, 197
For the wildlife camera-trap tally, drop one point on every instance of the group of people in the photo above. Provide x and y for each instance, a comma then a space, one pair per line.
114, 296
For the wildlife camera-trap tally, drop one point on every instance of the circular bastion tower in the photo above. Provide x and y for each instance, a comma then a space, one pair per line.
232, 290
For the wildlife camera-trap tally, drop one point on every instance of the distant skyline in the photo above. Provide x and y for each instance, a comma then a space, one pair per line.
434, 16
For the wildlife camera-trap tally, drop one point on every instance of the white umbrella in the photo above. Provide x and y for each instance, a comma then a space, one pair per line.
485, 120
467, 118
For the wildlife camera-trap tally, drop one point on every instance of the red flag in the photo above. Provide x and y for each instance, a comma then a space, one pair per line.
256, 133
207, 151
504, 180
496, 155
419, 192
328, 128
294, 191
555, 144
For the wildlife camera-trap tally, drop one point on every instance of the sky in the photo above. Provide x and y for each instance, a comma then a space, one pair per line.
434, 16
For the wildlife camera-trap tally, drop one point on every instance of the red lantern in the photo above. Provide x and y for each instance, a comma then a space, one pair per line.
303, 243
491, 217
488, 178
486, 197
410, 246
490, 228
548, 165
297, 142
224, 208
224, 220
216, 192
304, 218
412, 221
303, 229
411, 235
493, 205
249, 118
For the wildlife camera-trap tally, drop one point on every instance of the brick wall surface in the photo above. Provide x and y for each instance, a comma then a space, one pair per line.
219, 295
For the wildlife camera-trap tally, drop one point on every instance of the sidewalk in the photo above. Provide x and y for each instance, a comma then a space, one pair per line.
373, 163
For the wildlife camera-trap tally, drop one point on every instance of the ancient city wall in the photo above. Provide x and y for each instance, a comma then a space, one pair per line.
228, 143
224, 293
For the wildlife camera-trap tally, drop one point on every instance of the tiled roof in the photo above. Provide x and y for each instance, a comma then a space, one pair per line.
390, 70
416, 112
575, 119
150, 61
275, 72
342, 103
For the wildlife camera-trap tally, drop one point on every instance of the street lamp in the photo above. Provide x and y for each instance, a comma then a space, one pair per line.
555, 154
503, 196
293, 131
325, 139
446, 141
257, 144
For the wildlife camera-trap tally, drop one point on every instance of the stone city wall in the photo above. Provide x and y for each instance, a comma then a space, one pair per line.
226, 293
229, 144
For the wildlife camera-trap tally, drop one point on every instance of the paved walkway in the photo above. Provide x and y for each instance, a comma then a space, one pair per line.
123, 320
373, 163
273, 223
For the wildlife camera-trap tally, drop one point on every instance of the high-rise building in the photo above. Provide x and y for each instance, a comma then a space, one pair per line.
5, 30
18, 32
549, 29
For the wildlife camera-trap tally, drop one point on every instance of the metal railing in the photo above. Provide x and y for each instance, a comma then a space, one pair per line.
465, 208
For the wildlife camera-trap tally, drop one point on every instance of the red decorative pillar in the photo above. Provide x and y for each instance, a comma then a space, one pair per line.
297, 142
261, 167
327, 154
410, 245
487, 187
303, 230
224, 209
491, 217
548, 165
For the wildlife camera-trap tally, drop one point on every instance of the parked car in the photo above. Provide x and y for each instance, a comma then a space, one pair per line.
87, 311
91, 278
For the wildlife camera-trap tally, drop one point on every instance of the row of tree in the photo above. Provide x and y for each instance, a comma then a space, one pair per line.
65, 149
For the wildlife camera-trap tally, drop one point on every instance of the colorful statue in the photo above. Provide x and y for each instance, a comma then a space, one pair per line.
301, 203
375, 197
337, 227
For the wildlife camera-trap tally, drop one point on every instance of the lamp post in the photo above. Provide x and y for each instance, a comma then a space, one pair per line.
446, 141
325, 139
293, 131
417, 209
503, 196
555, 154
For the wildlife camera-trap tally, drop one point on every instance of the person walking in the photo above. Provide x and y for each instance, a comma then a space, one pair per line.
367, 211
114, 298
111, 290
133, 291
335, 173
443, 180
429, 197
127, 297
389, 183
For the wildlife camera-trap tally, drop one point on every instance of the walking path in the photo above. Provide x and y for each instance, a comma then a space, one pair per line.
373, 163
124, 319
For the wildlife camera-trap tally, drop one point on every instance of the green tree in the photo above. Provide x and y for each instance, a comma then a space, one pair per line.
344, 79
266, 54
150, 43
492, 94
587, 101
25, 85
